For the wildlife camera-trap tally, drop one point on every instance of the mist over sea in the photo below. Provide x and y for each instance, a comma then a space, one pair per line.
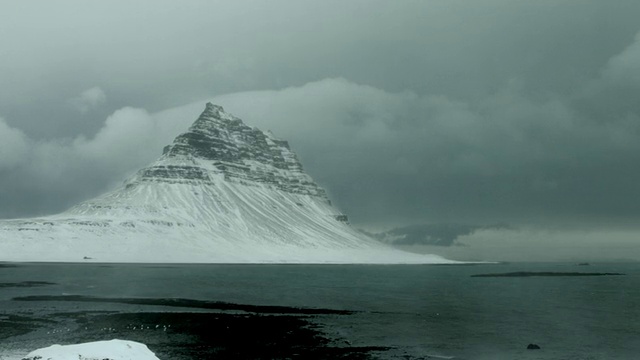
326, 311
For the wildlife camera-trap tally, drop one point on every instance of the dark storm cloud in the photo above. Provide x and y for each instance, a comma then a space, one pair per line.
160, 54
429, 111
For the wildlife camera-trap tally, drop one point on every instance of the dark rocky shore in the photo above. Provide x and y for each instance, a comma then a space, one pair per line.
189, 329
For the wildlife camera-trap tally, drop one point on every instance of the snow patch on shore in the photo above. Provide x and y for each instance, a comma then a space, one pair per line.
112, 350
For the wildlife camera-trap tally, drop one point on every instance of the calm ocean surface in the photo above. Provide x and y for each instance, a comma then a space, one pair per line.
419, 311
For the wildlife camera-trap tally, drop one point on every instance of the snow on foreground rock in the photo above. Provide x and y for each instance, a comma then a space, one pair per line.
222, 192
101, 350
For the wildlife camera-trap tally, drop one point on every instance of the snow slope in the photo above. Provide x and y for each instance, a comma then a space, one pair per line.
223, 192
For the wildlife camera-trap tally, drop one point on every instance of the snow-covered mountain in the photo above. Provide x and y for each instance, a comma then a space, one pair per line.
223, 192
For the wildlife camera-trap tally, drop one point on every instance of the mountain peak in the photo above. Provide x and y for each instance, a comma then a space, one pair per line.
214, 111
211, 105
219, 143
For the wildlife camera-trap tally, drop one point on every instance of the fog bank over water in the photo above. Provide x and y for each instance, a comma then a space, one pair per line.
540, 245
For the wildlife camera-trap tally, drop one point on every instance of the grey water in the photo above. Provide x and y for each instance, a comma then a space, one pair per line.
419, 312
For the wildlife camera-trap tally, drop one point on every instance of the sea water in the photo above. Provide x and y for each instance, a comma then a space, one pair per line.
418, 311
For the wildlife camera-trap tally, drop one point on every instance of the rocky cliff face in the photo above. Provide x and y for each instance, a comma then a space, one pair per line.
242, 154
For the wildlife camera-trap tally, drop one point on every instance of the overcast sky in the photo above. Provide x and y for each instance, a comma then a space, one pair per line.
484, 111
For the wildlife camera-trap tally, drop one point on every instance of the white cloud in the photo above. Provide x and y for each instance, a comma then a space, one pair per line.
61, 172
127, 137
89, 99
13, 146
624, 68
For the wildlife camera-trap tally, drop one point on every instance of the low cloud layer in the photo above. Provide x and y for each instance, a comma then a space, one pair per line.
386, 158
531, 244
394, 157
46, 176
